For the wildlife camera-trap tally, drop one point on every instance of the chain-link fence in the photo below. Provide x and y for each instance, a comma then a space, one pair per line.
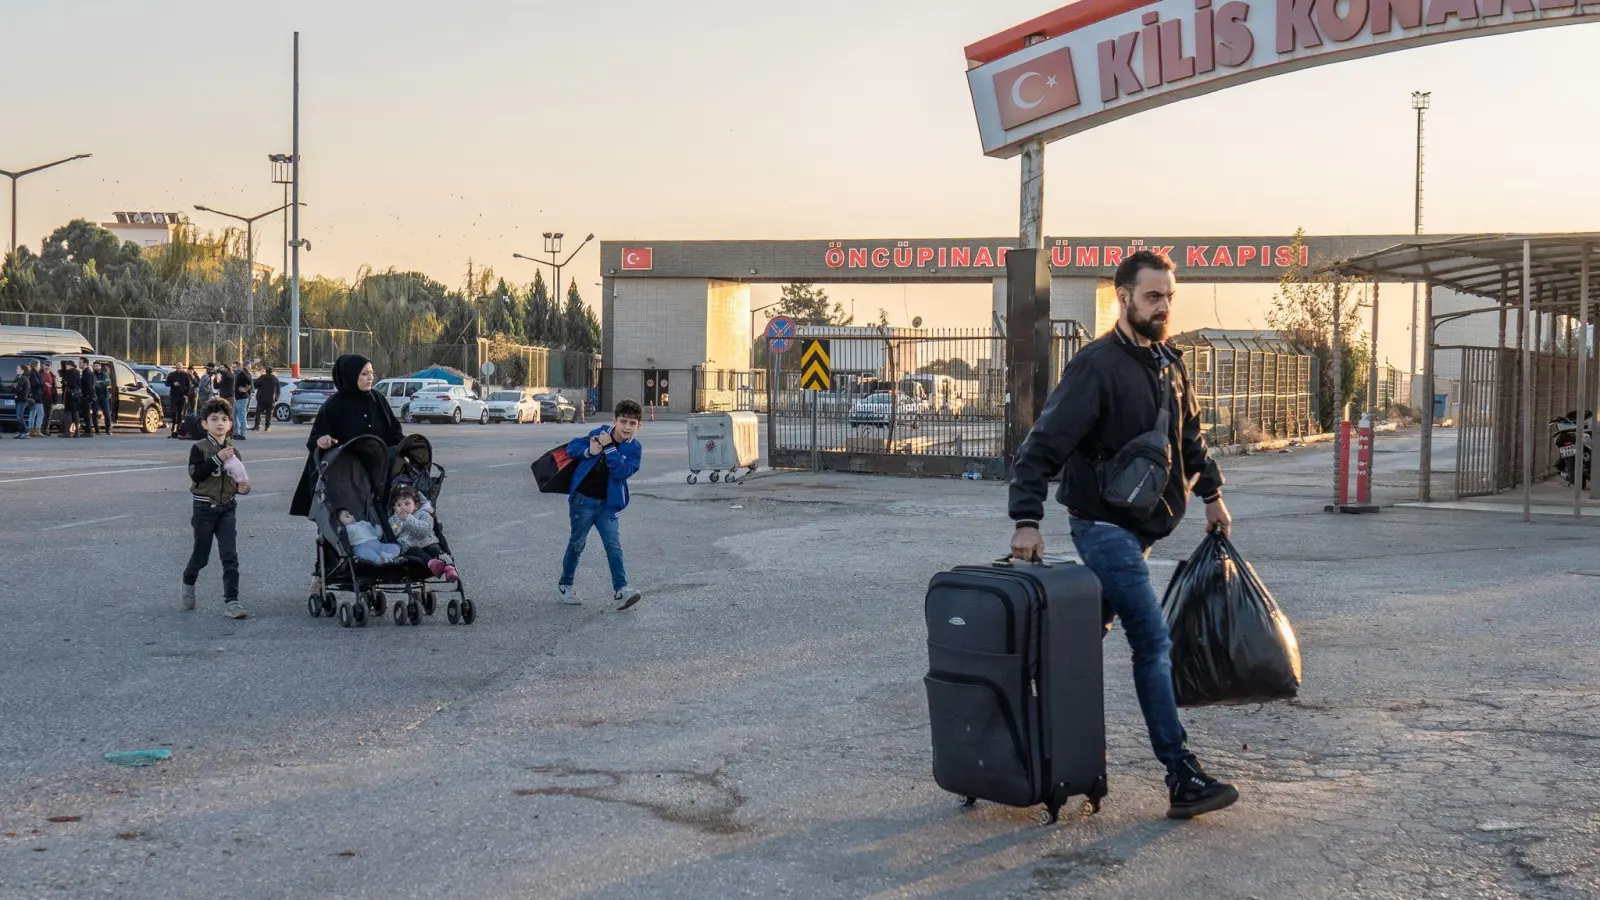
172, 342
1252, 395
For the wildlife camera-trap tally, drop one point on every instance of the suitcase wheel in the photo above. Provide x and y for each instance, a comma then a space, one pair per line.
1050, 815
969, 800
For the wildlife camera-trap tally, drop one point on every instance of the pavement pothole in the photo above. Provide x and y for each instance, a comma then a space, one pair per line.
699, 801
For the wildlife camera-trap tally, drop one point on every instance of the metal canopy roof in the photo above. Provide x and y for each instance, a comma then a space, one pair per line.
1488, 265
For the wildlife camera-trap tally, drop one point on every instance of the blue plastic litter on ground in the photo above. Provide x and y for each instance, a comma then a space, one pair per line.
137, 757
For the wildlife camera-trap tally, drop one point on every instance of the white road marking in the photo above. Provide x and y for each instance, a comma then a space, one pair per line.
503, 465
128, 471
87, 522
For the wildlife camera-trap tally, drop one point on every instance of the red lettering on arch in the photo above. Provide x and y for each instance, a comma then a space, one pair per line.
858, 257
1246, 254
1088, 257
924, 256
1440, 10
880, 257
1061, 256
1197, 256
1295, 30
1116, 67
985, 259
1385, 13
960, 257
1222, 257
1285, 257
1113, 256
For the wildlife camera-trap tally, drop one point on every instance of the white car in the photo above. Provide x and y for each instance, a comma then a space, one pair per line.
280, 410
513, 406
452, 402
399, 391
874, 409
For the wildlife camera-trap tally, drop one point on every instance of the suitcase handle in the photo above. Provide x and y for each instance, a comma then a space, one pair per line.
1008, 562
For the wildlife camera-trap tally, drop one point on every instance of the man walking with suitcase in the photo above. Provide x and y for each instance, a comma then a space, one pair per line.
1122, 401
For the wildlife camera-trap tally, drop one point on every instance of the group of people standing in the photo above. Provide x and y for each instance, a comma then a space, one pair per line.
189, 389
84, 390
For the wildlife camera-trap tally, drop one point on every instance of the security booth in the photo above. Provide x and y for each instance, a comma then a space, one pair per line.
1536, 293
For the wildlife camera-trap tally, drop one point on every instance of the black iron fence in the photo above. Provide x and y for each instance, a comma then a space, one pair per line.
1251, 395
901, 400
173, 342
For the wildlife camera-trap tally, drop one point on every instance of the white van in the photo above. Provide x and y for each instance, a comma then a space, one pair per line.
399, 391
22, 338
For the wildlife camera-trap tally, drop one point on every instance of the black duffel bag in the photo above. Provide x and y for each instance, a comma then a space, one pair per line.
1135, 479
1230, 641
552, 472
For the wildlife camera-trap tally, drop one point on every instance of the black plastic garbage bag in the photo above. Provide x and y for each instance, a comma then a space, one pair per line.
1230, 641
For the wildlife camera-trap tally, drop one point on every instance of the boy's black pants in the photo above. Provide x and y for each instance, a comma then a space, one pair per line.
211, 520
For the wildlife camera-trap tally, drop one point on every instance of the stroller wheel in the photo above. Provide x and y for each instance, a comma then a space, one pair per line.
399, 613
413, 613
377, 601
329, 604
346, 618
468, 612
314, 606
430, 602
453, 612
358, 613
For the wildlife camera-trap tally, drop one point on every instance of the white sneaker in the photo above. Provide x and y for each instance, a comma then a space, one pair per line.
188, 596
233, 610
627, 597
568, 594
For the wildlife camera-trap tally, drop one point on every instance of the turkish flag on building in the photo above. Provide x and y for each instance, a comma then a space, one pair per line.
1036, 88
638, 258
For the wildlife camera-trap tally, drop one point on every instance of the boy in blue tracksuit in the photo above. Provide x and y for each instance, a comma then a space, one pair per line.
607, 458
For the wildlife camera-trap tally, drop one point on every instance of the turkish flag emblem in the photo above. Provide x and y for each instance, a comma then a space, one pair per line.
1036, 88
638, 258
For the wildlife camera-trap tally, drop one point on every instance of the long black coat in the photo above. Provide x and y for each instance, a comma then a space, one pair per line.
347, 414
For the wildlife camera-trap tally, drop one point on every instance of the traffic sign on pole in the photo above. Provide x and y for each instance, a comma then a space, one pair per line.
780, 333
816, 366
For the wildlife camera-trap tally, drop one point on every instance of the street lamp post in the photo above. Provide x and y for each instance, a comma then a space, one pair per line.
15, 176
283, 174
1420, 101
552, 246
250, 252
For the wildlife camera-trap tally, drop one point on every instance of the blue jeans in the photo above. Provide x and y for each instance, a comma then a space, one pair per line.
240, 410
587, 513
1117, 557
22, 418
36, 414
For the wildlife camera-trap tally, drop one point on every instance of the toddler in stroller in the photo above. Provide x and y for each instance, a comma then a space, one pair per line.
412, 524
366, 540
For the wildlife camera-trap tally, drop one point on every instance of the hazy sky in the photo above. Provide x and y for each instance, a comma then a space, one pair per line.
437, 132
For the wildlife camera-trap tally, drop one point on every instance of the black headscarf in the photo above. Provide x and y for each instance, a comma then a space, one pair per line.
347, 373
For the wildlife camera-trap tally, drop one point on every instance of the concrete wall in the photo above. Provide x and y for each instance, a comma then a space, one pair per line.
665, 321
727, 326
1091, 302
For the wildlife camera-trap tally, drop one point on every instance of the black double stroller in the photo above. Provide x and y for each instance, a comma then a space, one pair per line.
358, 476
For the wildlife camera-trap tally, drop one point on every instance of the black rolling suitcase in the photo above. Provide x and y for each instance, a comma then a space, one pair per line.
1015, 689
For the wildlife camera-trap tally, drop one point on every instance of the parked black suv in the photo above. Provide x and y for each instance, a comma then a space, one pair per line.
133, 403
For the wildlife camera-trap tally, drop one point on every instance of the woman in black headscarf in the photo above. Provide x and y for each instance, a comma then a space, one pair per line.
352, 411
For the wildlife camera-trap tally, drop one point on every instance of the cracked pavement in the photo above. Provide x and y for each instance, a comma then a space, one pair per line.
756, 726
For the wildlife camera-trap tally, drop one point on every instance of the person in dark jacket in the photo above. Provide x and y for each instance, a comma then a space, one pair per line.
179, 385
1109, 395
352, 411
243, 385
70, 381
103, 377
87, 381
23, 391
45, 385
266, 398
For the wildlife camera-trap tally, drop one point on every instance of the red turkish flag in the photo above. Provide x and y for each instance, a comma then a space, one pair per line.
638, 258
1036, 88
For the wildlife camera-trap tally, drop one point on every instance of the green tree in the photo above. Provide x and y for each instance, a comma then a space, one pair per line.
955, 367
1303, 312
807, 304
575, 325
537, 316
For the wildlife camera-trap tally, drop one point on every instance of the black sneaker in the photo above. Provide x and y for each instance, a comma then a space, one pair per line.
1196, 793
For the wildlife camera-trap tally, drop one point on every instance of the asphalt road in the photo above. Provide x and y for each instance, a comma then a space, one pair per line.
756, 726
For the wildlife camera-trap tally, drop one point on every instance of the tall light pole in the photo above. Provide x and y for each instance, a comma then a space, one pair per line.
552, 246
14, 176
1419, 102
249, 252
281, 174
294, 215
